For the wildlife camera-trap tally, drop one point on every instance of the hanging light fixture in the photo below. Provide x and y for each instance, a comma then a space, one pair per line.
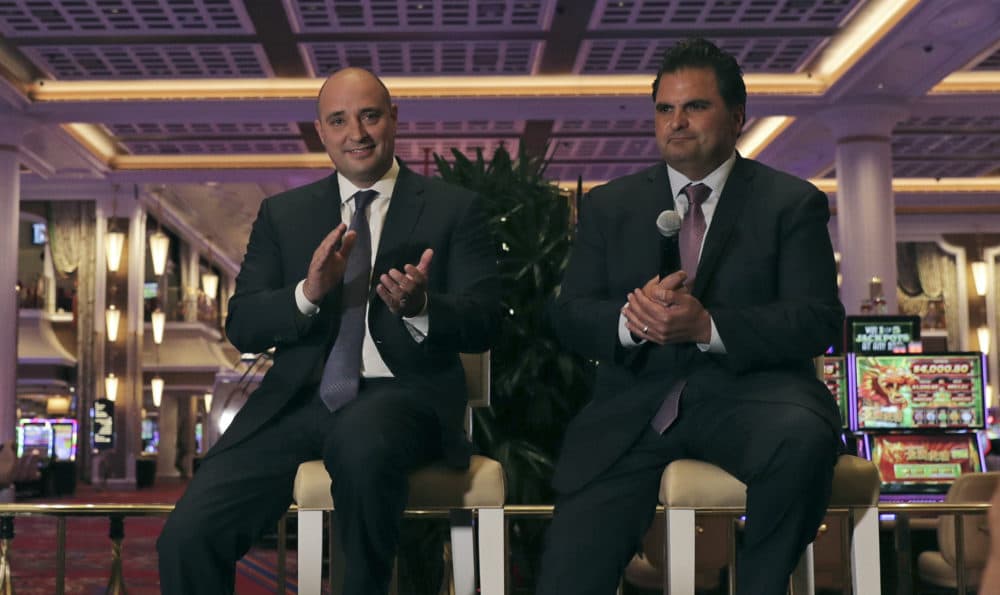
208, 402
114, 242
979, 277
111, 387
112, 316
210, 285
983, 333
159, 320
159, 245
156, 387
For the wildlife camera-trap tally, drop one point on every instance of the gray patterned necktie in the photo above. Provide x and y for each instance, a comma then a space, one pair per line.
343, 366
692, 233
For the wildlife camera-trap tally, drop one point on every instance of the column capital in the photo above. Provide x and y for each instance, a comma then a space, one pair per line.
863, 120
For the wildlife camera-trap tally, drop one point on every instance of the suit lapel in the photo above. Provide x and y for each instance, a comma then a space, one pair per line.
322, 219
734, 197
404, 210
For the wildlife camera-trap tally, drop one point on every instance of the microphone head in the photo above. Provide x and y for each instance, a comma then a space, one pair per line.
668, 224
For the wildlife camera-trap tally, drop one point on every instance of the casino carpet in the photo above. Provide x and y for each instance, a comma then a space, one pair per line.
88, 549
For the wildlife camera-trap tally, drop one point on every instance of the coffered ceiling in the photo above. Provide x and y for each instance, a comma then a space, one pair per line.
207, 105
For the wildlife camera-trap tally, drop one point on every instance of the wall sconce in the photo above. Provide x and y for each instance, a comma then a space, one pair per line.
159, 320
210, 285
159, 244
156, 387
979, 277
208, 402
983, 333
112, 316
114, 242
111, 387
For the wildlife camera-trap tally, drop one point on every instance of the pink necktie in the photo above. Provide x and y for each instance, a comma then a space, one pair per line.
693, 229
692, 233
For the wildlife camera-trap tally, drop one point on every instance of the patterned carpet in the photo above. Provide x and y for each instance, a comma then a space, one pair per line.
88, 549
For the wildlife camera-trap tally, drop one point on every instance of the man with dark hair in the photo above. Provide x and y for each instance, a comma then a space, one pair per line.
367, 322
710, 362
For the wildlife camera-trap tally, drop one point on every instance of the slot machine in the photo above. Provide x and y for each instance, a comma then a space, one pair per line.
921, 419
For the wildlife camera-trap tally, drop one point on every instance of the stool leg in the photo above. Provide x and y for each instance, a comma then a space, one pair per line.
678, 552
804, 575
310, 551
865, 552
462, 552
492, 551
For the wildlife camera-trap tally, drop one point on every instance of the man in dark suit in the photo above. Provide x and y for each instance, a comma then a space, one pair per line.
711, 362
429, 290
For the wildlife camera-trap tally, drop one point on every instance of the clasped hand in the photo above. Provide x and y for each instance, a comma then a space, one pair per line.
404, 292
664, 311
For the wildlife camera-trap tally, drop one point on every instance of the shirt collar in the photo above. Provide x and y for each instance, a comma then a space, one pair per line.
384, 186
715, 180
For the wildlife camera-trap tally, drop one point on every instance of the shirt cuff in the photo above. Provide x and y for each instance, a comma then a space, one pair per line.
306, 307
715, 344
419, 326
624, 335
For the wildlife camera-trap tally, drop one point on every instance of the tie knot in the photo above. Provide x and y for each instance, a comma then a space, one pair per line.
362, 198
697, 193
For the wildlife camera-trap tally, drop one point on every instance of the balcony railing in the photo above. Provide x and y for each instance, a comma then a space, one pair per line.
116, 513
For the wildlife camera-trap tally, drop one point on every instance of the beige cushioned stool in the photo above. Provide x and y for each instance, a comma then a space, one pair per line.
939, 568
688, 485
480, 488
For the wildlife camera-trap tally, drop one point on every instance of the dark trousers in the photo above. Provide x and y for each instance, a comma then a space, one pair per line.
369, 447
784, 453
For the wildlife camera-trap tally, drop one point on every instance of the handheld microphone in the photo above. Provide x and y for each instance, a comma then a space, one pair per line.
668, 223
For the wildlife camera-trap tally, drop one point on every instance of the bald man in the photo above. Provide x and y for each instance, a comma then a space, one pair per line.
432, 293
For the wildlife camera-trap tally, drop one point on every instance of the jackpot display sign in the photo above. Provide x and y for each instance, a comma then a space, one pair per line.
919, 391
835, 377
909, 460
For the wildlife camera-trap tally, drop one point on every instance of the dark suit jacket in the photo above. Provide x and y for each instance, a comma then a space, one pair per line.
766, 275
463, 303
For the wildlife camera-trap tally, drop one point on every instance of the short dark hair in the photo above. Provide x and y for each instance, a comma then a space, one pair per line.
701, 53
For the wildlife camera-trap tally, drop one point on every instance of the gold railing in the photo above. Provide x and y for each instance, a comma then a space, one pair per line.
116, 513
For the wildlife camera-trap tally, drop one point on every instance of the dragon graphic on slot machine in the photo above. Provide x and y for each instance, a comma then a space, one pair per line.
891, 384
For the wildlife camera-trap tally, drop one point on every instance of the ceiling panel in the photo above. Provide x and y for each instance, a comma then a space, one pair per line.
395, 58
685, 14
330, 16
215, 147
35, 18
628, 56
201, 129
152, 61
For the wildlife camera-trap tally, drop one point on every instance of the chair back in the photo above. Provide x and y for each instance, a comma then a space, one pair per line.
477, 377
972, 488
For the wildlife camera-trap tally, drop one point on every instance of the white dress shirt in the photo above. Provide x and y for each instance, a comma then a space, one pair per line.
372, 364
678, 182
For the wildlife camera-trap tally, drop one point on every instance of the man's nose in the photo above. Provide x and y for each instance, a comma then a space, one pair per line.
356, 130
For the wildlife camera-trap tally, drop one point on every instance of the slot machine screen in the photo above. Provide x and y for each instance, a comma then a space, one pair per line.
914, 463
872, 335
918, 391
34, 436
150, 435
835, 377
64, 439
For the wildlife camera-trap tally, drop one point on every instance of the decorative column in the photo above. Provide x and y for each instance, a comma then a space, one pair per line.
190, 281
166, 453
13, 131
866, 214
124, 356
